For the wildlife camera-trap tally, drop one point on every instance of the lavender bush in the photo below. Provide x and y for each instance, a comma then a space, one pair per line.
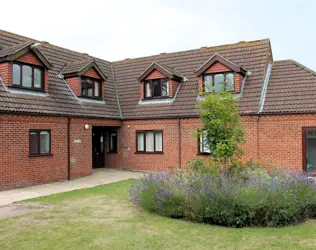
284, 199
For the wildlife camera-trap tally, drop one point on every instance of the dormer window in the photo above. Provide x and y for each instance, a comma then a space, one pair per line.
219, 74
90, 87
219, 82
27, 76
156, 88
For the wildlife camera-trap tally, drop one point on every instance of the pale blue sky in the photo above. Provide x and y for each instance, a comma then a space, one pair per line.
115, 30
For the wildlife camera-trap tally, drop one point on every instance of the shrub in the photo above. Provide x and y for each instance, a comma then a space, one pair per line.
283, 199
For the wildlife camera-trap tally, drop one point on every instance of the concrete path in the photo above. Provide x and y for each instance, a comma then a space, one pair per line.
98, 177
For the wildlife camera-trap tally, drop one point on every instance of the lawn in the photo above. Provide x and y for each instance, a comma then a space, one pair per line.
103, 218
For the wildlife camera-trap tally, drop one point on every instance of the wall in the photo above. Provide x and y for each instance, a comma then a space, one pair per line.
18, 169
127, 158
81, 153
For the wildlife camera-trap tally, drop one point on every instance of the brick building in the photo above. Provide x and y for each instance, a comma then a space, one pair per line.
63, 113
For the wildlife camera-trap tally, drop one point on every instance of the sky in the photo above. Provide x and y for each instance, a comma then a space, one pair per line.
115, 30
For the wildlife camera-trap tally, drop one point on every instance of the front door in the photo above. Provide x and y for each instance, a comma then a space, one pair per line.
98, 157
309, 149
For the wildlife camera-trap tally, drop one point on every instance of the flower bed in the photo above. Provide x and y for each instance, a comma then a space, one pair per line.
280, 200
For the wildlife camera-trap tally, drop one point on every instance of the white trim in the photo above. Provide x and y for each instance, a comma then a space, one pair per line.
265, 87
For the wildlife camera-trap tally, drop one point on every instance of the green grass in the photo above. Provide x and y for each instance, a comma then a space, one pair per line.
103, 218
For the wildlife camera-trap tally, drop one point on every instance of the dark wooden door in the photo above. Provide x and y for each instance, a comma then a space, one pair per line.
98, 156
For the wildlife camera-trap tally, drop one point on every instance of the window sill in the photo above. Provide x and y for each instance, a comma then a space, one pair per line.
149, 153
91, 97
114, 152
203, 153
157, 97
39, 155
26, 88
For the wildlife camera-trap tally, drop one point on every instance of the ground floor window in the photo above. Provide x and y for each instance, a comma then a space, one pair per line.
40, 142
113, 142
149, 141
309, 148
204, 148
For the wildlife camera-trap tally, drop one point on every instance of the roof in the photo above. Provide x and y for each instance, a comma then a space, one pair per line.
248, 55
291, 89
10, 53
217, 58
168, 71
82, 67
60, 100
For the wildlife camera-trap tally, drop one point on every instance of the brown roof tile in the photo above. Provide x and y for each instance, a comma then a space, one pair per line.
249, 55
291, 89
60, 100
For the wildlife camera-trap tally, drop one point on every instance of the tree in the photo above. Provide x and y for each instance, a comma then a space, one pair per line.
221, 126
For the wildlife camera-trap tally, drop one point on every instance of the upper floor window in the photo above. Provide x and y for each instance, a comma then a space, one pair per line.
90, 87
156, 88
219, 82
27, 76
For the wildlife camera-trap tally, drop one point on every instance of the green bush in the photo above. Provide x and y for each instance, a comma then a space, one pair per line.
284, 199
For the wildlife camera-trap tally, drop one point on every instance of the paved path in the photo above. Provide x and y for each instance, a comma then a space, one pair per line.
98, 177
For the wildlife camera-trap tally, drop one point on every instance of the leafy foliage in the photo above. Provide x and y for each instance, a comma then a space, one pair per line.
222, 124
283, 199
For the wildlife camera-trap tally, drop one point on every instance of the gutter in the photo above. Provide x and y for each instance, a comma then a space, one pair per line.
116, 93
68, 152
265, 87
179, 146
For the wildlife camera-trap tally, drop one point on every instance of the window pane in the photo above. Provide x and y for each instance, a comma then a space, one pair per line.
140, 141
208, 83
204, 147
83, 88
165, 87
229, 82
38, 77
219, 82
158, 138
16, 74
157, 87
96, 89
44, 142
147, 89
33, 143
113, 142
150, 142
89, 87
101, 142
26, 76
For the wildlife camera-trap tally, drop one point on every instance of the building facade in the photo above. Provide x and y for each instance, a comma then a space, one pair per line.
63, 113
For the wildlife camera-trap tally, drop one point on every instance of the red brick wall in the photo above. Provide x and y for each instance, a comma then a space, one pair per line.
238, 82
92, 73
173, 86
17, 169
30, 58
75, 84
6, 73
81, 153
155, 74
127, 158
217, 67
